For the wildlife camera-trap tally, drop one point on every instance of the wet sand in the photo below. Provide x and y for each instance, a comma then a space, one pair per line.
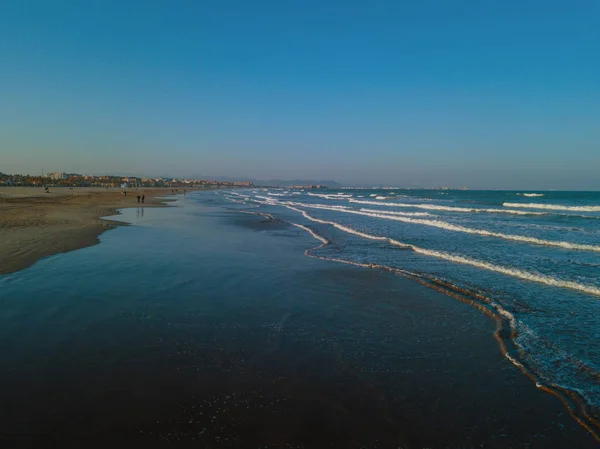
35, 224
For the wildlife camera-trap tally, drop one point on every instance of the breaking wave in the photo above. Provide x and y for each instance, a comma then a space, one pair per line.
457, 228
403, 214
513, 272
554, 207
447, 208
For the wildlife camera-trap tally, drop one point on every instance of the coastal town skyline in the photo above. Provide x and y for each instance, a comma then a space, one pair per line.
63, 179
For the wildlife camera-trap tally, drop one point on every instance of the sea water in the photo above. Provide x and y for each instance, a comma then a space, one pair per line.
531, 257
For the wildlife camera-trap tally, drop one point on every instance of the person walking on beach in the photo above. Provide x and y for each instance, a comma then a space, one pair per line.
143, 198
138, 198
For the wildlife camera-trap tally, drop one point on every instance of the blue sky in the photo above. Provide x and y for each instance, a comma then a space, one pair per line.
487, 94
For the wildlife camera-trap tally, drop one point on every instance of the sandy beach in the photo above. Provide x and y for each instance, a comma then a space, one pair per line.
35, 224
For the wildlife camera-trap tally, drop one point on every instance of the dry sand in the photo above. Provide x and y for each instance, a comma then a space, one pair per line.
34, 224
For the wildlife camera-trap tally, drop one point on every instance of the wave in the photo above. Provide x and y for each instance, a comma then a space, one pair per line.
404, 214
513, 272
260, 214
447, 208
337, 225
266, 198
554, 207
457, 228
346, 208
531, 194
311, 232
330, 196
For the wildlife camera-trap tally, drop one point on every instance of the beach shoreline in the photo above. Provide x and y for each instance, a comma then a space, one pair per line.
329, 355
35, 224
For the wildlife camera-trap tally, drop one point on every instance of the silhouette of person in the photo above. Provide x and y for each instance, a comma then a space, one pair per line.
138, 198
143, 198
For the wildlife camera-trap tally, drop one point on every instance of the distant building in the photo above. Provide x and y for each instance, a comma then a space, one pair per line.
57, 175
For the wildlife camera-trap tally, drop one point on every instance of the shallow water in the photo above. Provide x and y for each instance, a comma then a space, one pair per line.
203, 326
535, 256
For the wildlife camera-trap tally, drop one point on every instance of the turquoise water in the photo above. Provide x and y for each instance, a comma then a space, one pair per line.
200, 326
534, 257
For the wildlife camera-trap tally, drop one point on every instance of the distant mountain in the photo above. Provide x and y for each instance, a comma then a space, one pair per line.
273, 182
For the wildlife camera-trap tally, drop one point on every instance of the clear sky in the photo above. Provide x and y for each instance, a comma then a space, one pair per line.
487, 94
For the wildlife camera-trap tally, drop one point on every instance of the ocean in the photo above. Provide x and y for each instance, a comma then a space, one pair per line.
530, 258
274, 318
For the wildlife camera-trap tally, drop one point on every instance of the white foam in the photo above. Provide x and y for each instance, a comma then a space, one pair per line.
314, 206
520, 274
330, 196
381, 197
337, 225
554, 207
531, 194
457, 228
311, 232
405, 214
446, 208
590, 289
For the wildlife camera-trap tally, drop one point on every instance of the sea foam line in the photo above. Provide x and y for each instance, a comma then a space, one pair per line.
347, 209
337, 225
311, 232
446, 208
403, 214
457, 228
554, 207
513, 272
330, 196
